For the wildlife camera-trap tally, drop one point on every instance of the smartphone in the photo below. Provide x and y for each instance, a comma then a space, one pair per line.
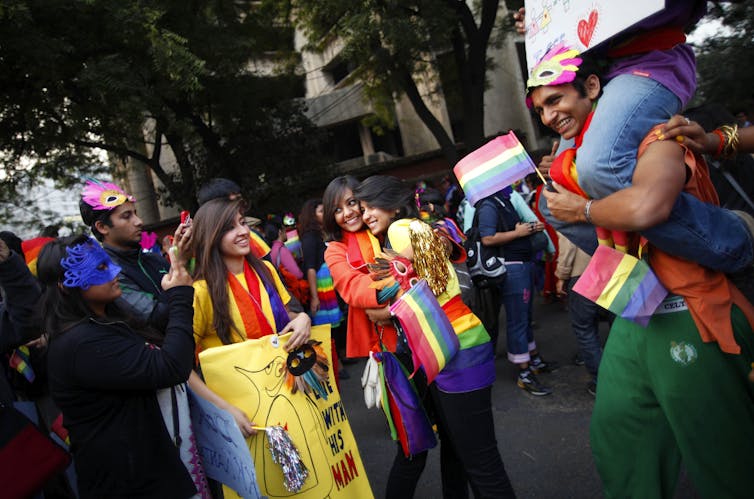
549, 186
185, 217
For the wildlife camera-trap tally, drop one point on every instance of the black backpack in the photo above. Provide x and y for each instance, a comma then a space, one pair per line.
486, 264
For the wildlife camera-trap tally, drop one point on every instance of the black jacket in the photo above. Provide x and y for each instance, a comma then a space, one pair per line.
18, 308
103, 376
140, 280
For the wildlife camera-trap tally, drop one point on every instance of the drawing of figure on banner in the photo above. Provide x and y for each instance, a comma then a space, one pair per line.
256, 377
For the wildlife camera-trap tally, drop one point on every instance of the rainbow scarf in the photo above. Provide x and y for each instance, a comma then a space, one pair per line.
362, 247
329, 311
430, 335
493, 166
249, 305
563, 171
20, 361
614, 279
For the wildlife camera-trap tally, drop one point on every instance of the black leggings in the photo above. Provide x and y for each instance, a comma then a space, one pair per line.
468, 451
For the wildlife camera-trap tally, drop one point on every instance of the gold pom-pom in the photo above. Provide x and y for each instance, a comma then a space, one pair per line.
430, 256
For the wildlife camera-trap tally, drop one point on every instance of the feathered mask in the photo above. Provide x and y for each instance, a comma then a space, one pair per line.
306, 369
558, 66
104, 195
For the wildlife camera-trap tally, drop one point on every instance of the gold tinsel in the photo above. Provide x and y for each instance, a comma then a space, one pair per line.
430, 256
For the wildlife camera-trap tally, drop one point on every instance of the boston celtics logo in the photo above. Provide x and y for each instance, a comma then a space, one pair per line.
682, 353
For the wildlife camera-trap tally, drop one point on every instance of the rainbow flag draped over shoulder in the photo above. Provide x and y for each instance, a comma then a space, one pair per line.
622, 284
431, 337
495, 165
259, 246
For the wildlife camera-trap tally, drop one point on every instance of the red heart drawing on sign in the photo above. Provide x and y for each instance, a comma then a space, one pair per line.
585, 28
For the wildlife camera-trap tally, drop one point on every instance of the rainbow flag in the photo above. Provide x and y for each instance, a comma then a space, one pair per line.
19, 361
430, 335
293, 243
495, 165
31, 249
259, 246
622, 284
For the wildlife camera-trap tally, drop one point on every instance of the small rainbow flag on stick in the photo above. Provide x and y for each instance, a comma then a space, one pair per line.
430, 335
495, 165
621, 283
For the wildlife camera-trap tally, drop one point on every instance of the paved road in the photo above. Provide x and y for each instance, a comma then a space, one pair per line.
544, 441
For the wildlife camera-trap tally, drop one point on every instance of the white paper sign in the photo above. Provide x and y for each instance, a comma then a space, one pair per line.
579, 24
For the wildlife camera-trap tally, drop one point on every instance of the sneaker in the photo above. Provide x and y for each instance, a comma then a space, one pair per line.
529, 382
578, 360
591, 387
539, 366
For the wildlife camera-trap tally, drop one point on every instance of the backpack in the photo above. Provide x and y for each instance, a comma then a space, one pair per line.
485, 263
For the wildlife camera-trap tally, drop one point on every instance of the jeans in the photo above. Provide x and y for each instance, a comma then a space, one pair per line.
517, 299
629, 107
585, 325
468, 450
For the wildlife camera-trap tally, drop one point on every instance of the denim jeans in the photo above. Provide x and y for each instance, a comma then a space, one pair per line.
469, 455
629, 107
516, 295
585, 325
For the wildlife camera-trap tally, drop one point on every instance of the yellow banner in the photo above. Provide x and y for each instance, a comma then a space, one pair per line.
251, 376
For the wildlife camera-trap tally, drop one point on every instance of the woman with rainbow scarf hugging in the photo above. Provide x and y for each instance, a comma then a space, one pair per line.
237, 296
460, 396
105, 370
677, 389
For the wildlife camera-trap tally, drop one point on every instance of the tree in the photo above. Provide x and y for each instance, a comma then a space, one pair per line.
390, 42
83, 75
725, 71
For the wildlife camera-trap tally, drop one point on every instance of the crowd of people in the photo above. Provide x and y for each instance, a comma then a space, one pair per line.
121, 327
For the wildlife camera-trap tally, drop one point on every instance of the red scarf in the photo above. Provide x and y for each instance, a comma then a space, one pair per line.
249, 303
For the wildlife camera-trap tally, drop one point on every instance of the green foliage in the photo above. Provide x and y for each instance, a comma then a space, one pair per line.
726, 74
80, 74
392, 43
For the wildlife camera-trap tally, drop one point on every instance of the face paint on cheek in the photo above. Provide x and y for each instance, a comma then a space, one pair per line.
87, 265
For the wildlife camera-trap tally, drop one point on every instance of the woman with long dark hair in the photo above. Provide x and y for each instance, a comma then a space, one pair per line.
350, 248
323, 304
104, 373
461, 393
237, 296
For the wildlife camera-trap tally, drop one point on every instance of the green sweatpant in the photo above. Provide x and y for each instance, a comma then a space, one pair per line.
664, 396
